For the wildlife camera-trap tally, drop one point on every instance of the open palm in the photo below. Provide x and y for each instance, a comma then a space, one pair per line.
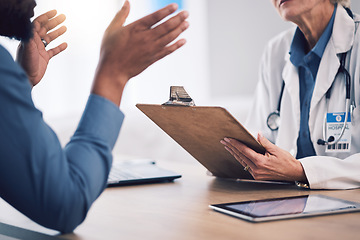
32, 55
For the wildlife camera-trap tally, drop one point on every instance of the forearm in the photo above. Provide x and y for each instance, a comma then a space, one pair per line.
109, 83
53, 186
89, 158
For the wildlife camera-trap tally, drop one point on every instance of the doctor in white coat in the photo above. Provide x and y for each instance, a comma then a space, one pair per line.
303, 77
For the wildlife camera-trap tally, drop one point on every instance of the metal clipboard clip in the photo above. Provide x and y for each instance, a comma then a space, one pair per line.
179, 97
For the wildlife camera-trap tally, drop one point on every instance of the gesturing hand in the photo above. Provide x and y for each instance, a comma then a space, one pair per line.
32, 55
276, 164
128, 50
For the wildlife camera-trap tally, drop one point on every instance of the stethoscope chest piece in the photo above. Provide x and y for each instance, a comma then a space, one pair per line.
273, 121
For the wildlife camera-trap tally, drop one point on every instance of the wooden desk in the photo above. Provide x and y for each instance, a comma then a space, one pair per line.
180, 210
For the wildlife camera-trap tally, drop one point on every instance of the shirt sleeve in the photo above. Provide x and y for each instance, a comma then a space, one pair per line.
53, 186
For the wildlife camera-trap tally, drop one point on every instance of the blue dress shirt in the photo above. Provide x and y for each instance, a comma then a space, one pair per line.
308, 65
53, 186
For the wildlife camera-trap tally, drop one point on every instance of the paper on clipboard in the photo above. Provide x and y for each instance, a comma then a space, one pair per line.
199, 131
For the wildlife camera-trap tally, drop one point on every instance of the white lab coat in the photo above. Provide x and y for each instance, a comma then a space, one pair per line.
324, 171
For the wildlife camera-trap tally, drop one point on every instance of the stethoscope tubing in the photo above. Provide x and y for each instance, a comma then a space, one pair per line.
331, 140
349, 106
274, 116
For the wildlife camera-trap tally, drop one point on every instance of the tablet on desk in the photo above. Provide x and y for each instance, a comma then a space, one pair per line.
287, 207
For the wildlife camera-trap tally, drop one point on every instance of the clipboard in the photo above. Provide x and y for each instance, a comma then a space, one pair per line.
199, 129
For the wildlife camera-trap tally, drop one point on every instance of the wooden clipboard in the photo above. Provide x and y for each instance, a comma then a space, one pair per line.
199, 131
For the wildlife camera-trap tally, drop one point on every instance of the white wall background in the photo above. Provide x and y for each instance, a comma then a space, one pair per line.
218, 65
238, 32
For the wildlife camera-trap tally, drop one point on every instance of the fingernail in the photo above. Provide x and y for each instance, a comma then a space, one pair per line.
174, 6
227, 140
185, 14
223, 142
186, 25
260, 135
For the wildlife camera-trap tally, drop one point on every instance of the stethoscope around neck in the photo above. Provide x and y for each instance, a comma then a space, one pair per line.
273, 120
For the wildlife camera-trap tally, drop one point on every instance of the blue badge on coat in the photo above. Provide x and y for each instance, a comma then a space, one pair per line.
334, 125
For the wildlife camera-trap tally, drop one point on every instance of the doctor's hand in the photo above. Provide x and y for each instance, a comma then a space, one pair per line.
128, 50
275, 164
32, 55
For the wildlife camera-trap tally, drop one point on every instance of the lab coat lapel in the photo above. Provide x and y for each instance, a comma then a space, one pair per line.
341, 41
328, 68
290, 109
291, 79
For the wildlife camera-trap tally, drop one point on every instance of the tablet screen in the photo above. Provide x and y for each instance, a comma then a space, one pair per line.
278, 208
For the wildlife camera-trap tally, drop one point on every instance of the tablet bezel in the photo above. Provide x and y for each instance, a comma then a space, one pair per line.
224, 208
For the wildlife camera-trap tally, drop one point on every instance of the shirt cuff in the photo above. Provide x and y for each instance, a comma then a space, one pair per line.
102, 119
311, 172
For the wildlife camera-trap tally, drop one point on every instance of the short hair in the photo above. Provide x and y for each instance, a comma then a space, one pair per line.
345, 3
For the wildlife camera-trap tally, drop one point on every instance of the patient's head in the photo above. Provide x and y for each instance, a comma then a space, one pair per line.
15, 18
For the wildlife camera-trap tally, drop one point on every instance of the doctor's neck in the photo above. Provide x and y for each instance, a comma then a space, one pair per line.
314, 22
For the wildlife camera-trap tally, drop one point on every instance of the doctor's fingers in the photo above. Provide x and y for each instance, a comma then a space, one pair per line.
243, 160
238, 157
245, 150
